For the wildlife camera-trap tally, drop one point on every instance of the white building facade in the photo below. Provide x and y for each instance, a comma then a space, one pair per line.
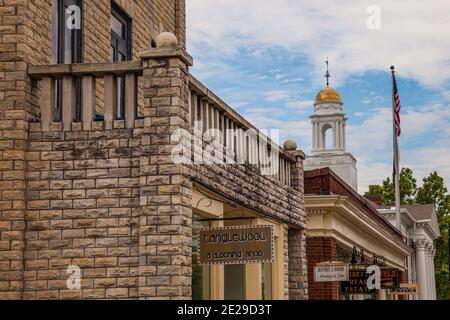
420, 227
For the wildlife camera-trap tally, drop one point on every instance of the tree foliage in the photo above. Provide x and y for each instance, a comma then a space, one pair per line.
432, 191
408, 189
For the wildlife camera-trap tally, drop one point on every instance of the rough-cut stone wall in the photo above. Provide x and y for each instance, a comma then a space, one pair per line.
82, 210
109, 201
165, 237
251, 189
298, 275
16, 108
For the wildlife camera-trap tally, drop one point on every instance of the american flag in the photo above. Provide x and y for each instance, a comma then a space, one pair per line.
397, 109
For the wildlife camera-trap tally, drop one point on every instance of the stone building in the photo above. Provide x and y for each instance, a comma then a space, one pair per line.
95, 96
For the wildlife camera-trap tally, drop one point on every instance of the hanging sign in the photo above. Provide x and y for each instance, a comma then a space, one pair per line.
406, 289
327, 272
236, 245
357, 283
390, 278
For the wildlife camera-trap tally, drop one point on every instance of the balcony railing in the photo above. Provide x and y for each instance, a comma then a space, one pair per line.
204, 107
88, 74
232, 133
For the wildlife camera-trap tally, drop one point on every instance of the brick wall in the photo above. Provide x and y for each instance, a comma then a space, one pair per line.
320, 249
326, 182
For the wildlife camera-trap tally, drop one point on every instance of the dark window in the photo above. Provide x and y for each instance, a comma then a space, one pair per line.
68, 45
120, 50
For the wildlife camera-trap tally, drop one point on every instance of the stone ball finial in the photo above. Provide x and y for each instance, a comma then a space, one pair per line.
166, 40
290, 145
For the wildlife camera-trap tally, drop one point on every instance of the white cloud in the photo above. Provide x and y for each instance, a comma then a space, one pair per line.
276, 95
293, 80
301, 105
411, 32
413, 37
366, 100
371, 143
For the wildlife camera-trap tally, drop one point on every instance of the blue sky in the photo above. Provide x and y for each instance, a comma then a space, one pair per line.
265, 58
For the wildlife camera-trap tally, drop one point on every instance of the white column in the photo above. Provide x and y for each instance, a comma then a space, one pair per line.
414, 272
427, 253
344, 145
319, 129
314, 136
433, 277
335, 134
421, 270
317, 136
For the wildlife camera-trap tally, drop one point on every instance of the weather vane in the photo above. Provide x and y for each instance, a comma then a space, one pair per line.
327, 75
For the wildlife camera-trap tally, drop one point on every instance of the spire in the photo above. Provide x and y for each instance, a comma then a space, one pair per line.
327, 75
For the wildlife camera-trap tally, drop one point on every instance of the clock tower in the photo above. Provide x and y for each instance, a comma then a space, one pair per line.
328, 137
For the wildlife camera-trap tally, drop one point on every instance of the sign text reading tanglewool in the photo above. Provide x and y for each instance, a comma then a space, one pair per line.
236, 245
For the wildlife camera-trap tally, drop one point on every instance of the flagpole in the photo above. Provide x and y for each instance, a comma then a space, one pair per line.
396, 158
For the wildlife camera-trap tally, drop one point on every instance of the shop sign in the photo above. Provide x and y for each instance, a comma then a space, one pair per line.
357, 283
390, 278
236, 245
406, 289
331, 272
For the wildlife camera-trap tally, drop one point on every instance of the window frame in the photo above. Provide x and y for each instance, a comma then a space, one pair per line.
126, 20
59, 33
118, 45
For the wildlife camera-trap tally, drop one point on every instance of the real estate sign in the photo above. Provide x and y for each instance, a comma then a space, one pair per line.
390, 278
330, 272
357, 283
406, 289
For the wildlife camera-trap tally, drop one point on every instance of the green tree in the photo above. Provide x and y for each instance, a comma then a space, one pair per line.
408, 189
433, 191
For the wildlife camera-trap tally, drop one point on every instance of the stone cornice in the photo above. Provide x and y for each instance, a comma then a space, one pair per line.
164, 53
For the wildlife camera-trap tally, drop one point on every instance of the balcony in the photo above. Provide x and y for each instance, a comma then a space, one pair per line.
232, 130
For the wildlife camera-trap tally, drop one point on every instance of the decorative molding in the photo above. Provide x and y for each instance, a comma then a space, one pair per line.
419, 244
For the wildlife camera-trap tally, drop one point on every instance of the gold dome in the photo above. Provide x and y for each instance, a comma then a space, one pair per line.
328, 95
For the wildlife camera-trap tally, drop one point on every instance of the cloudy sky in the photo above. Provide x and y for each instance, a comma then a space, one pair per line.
265, 58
